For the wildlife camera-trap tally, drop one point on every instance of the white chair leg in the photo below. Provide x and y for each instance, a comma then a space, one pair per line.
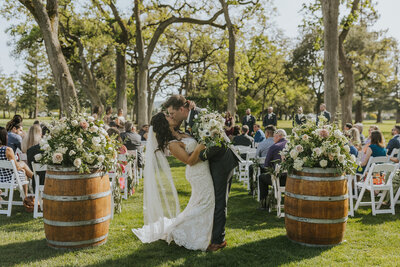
381, 198
35, 206
10, 200
350, 194
359, 198
373, 201
391, 200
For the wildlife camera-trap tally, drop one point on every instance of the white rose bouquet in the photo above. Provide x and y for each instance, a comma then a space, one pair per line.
321, 146
208, 128
79, 142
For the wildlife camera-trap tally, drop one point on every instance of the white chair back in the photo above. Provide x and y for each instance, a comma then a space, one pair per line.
37, 167
395, 151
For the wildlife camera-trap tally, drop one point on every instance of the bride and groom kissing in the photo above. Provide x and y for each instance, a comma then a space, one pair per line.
201, 225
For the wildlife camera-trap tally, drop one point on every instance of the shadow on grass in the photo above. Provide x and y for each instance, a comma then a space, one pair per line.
273, 251
30, 252
20, 221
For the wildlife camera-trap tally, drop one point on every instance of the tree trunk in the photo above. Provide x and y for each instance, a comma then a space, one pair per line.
398, 114
36, 94
346, 66
379, 116
121, 80
359, 110
47, 19
231, 60
330, 11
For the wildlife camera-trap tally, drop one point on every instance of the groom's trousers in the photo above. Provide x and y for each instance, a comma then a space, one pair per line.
222, 184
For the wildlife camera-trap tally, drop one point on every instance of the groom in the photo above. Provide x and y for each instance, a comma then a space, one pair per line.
222, 162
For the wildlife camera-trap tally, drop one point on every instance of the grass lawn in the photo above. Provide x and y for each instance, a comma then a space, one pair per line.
254, 239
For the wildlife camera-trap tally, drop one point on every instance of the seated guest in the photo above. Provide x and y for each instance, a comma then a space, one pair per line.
354, 141
395, 141
108, 116
271, 159
35, 134
15, 136
348, 126
368, 140
6, 153
32, 138
120, 120
96, 112
235, 132
360, 128
259, 136
144, 132
375, 149
262, 148
130, 138
244, 139
112, 131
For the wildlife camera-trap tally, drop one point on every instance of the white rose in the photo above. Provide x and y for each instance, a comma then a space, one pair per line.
90, 119
299, 148
93, 129
294, 154
74, 123
317, 151
347, 148
305, 137
45, 147
101, 158
305, 159
323, 163
43, 142
337, 133
72, 152
57, 158
38, 157
341, 158
79, 141
77, 162
96, 140
195, 116
353, 158
298, 164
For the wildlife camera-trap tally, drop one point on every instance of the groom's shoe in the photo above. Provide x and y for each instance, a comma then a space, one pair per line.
215, 247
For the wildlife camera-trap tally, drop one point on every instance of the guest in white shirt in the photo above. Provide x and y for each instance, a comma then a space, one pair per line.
299, 118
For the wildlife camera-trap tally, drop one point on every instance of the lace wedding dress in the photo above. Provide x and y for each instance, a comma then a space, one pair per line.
192, 227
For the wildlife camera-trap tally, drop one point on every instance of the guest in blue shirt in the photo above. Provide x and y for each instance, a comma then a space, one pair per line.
263, 147
271, 159
395, 141
259, 136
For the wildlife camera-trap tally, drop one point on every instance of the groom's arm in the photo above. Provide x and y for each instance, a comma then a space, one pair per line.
207, 154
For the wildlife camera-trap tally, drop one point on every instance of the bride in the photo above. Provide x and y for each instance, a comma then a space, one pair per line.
193, 226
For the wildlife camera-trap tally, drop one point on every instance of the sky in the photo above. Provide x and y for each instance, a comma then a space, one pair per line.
288, 19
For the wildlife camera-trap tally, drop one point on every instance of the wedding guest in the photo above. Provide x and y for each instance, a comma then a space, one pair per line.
236, 132
96, 112
107, 117
17, 119
130, 138
375, 149
34, 149
395, 141
144, 132
263, 147
259, 135
324, 112
32, 138
112, 131
273, 157
15, 136
348, 126
368, 140
249, 120
299, 117
270, 118
228, 123
6, 153
244, 139
360, 128
354, 141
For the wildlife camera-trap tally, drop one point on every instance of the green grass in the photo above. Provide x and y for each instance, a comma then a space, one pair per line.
254, 239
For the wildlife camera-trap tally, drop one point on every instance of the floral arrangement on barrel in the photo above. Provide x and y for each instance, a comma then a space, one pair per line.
318, 146
80, 142
208, 128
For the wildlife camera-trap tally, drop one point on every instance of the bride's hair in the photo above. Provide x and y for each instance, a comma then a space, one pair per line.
162, 130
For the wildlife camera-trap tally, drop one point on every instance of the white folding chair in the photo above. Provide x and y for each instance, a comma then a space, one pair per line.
250, 156
395, 151
112, 176
126, 174
388, 170
14, 183
360, 176
350, 181
278, 191
36, 167
242, 163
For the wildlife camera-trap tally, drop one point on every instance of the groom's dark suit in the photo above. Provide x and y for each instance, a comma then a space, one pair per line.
222, 162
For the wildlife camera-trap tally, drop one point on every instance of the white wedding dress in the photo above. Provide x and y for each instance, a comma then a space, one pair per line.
192, 227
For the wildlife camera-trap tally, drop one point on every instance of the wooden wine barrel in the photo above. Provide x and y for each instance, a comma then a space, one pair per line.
76, 208
316, 206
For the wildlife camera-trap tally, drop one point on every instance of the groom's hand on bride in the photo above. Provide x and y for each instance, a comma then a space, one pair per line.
192, 105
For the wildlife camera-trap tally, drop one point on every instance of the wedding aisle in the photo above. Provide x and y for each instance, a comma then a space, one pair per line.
254, 239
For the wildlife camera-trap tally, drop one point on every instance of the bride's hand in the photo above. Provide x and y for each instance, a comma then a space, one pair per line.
200, 146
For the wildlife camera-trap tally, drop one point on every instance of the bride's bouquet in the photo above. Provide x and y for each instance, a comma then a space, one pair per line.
208, 128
